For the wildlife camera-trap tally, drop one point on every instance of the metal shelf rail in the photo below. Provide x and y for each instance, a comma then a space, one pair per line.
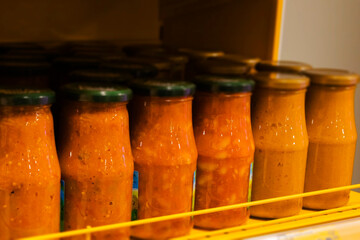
251, 229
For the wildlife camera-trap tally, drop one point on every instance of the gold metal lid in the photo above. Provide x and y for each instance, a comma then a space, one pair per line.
282, 66
250, 61
332, 77
283, 81
219, 66
202, 54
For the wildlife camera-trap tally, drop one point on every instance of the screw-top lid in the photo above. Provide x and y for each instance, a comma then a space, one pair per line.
332, 77
222, 67
285, 81
23, 68
162, 88
100, 75
134, 49
171, 56
5, 47
74, 63
136, 69
18, 57
200, 54
282, 66
96, 92
19, 97
249, 61
219, 84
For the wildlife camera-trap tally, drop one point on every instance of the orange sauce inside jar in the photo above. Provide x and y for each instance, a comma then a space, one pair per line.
97, 164
332, 136
281, 143
165, 156
225, 144
29, 172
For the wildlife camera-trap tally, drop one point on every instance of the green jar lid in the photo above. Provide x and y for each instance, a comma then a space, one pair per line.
156, 88
96, 92
18, 96
218, 66
23, 68
220, 84
136, 69
100, 76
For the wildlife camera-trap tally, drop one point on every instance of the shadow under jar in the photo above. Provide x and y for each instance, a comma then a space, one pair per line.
332, 135
165, 156
95, 157
281, 143
30, 171
225, 144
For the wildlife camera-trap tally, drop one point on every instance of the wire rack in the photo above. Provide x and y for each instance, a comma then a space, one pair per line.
251, 229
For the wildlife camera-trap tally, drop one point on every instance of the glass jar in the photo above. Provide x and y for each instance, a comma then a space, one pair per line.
225, 144
282, 66
165, 156
281, 143
30, 172
332, 135
95, 157
24, 74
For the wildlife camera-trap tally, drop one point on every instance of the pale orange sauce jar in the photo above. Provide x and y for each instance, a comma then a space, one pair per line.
225, 144
281, 142
95, 157
29, 168
332, 134
165, 156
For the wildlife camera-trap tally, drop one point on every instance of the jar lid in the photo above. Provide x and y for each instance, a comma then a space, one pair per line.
162, 88
332, 77
18, 96
250, 61
72, 63
23, 68
222, 67
174, 57
133, 49
17, 57
4, 47
282, 66
96, 92
158, 63
219, 84
285, 81
202, 54
99, 75
137, 70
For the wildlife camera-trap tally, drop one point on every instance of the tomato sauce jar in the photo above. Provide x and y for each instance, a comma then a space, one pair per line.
281, 143
225, 144
165, 156
332, 135
95, 157
30, 171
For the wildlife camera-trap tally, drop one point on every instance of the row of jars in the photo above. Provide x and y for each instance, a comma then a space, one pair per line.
96, 156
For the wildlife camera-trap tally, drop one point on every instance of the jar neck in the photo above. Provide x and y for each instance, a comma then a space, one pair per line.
286, 101
337, 99
208, 104
12, 111
168, 110
92, 107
